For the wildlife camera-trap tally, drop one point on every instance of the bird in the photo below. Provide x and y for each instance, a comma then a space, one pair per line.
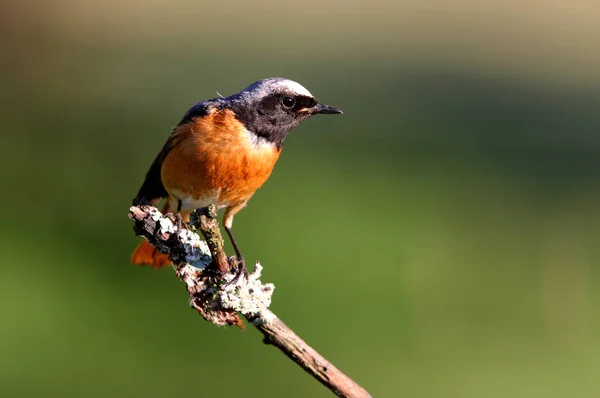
221, 152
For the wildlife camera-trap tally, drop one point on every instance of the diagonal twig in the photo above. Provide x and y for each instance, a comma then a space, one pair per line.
219, 297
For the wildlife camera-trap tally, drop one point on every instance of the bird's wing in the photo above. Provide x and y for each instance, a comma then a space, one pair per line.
153, 188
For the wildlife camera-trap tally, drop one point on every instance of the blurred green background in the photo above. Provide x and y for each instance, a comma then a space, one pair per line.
438, 239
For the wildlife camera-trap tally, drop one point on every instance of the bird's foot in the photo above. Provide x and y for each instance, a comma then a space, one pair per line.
239, 264
179, 224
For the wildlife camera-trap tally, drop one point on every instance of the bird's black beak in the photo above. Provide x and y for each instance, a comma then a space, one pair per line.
324, 109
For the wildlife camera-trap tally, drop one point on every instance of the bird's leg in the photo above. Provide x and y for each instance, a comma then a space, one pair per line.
241, 264
227, 223
182, 219
235, 246
178, 222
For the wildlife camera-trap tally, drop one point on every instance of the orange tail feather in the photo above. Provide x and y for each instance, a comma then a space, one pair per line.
146, 254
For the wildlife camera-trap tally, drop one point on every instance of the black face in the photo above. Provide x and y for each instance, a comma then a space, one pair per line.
275, 115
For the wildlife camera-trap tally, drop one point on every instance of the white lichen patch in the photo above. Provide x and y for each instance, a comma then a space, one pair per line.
154, 213
247, 295
166, 226
197, 253
189, 275
165, 223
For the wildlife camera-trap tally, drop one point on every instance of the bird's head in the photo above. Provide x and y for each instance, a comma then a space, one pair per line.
271, 107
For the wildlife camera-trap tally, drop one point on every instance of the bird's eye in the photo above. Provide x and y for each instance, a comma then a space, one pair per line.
288, 102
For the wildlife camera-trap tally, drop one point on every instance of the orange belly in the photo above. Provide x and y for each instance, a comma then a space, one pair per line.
216, 160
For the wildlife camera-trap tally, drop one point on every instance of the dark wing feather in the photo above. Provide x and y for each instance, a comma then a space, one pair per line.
153, 188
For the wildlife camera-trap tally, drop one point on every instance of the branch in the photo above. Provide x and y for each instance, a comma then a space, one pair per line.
219, 296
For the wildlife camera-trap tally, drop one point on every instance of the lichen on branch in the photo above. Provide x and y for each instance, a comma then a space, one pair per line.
220, 295
215, 292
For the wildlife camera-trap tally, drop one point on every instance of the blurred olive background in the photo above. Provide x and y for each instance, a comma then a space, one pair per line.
438, 239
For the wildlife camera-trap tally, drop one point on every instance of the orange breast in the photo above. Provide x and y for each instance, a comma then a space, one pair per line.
217, 159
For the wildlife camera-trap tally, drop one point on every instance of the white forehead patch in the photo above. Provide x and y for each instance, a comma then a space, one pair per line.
276, 84
294, 87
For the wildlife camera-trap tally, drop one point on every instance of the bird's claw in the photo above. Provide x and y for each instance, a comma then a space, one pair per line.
179, 224
239, 264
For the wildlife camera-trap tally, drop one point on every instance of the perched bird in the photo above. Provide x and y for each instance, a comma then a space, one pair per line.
222, 151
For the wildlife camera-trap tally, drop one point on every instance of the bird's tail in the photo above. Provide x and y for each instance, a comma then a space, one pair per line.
146, 254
